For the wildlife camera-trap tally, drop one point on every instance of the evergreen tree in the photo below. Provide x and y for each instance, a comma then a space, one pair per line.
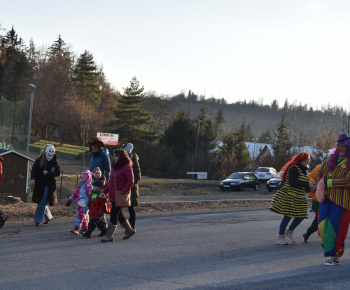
131, 121
220, 126
85, 78
281, 143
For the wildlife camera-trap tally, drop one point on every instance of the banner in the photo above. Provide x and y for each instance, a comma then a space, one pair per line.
109, 138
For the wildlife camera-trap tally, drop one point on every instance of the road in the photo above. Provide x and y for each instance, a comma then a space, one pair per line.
221, 249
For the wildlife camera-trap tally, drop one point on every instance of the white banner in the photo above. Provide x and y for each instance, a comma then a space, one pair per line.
109, 138
200, 175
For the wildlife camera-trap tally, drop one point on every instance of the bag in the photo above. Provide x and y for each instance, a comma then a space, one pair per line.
107, 206
122, 199
321, 191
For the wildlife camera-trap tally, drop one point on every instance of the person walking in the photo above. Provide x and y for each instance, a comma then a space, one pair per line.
334, 211
99, 157
135, 189
290, 200
3, 217
43, 177
120, 183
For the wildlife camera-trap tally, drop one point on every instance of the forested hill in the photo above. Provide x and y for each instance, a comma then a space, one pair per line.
302, 119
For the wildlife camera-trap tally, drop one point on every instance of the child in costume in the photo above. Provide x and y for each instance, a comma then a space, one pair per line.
97, 175
82, 195
98, 206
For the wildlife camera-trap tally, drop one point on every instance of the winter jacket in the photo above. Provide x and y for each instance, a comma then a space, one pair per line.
41, 180
82, 194
122, 179
137, 177
102, 161
97, 205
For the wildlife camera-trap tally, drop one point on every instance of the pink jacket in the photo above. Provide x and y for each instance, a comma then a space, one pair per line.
123, 179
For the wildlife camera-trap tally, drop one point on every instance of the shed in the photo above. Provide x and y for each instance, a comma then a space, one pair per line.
15, 174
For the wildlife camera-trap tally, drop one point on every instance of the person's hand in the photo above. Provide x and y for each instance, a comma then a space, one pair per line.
32, 182
102, 195
45, 172
68, 202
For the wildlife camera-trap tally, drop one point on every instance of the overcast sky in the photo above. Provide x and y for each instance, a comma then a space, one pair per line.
237, 50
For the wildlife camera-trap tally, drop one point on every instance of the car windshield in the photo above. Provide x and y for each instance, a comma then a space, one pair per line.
262, 170
236, 176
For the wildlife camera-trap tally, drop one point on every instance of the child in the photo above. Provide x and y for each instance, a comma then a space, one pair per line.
98, 206
97, 175
82, 195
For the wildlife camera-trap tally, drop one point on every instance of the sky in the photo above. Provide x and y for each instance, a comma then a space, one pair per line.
260, 50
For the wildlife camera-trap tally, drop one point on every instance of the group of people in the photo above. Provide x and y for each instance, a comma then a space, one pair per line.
329, 187
99, 192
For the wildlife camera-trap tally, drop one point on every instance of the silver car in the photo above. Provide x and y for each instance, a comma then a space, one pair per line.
265, 173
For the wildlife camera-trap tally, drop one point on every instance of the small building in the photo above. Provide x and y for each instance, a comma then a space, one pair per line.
16, 174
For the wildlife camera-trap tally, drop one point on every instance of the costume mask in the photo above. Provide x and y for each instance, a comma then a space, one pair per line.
49, 152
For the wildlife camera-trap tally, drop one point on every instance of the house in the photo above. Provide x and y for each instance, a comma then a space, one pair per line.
16, 174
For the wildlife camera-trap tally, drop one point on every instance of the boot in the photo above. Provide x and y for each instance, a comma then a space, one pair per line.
110, 233
103, 232
83, 231
306, 237
87, 234
129, 231
75, 230
289, 236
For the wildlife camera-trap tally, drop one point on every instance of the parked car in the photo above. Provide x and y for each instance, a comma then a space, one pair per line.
239, 181
274, 183
265, 173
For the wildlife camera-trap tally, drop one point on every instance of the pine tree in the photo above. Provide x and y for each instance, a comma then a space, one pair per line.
86, 80
281, 144
131, 121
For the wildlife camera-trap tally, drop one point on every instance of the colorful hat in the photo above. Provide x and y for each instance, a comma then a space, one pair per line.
86, 175
95, 170
343, 137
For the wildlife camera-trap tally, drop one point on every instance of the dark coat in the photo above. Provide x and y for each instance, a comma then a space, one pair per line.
137, 177
41, 180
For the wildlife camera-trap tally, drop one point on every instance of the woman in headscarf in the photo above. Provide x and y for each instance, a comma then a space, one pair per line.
290, 200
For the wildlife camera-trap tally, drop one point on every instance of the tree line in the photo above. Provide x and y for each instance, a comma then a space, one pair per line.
172, 134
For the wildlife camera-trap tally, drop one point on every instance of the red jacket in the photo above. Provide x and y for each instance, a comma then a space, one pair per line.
122, 179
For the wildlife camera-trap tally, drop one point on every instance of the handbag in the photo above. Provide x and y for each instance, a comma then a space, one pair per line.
321, 191
121, 199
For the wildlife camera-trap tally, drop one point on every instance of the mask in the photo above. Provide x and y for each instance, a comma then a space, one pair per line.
49, 152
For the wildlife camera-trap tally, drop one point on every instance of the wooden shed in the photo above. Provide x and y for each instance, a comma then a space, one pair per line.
16, 174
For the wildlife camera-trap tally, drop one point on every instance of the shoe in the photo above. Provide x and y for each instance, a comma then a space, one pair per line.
306, 237
281, 240
332, 261
45, 223
87, 234
103, 232
75, 230
83, 231
37, 224
289, 236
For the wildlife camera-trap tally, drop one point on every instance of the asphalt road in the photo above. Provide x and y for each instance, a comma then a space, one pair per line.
222, 249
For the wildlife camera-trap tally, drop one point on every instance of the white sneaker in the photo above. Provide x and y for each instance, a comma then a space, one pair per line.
281, 240
289, 236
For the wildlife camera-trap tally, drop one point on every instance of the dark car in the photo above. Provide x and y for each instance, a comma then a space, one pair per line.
239, 181
273, 183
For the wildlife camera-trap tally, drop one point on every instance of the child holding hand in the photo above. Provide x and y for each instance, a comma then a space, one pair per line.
82, 195
98, 206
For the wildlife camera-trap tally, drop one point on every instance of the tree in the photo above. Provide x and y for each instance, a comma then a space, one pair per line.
220, 126
281, 143
131, 121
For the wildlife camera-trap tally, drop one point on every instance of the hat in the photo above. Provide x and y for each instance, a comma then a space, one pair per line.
98, 183
96, 141
86, 175
95, 170
343, 137
128, 148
